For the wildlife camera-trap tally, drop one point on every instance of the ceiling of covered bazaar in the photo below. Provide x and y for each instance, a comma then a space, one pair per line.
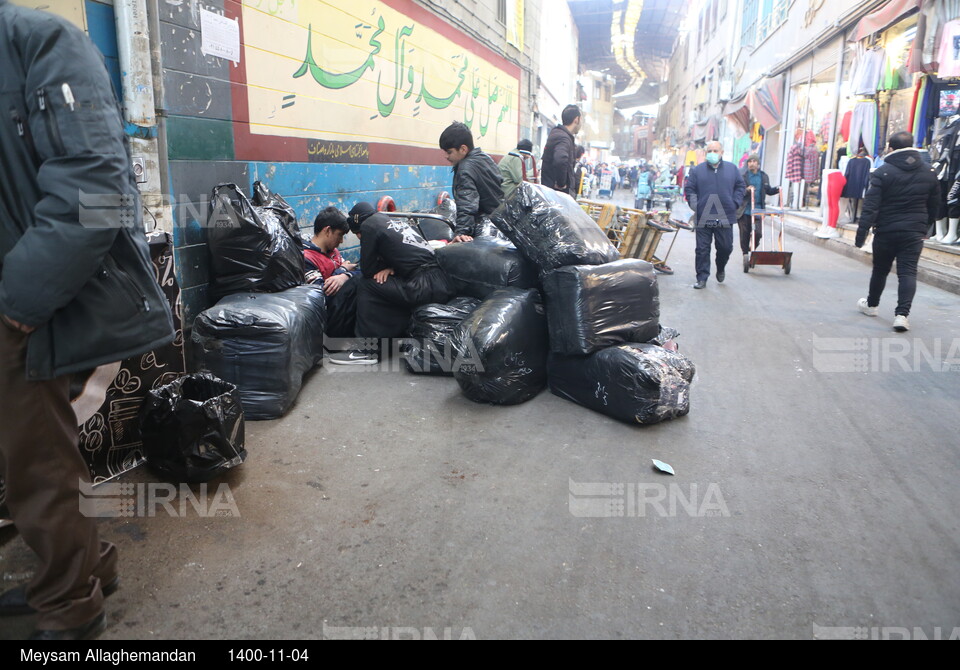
631, 40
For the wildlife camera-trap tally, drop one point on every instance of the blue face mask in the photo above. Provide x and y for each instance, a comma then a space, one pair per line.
713, 158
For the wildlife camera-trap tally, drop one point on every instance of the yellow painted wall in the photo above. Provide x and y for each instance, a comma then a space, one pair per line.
71, 10
364, 72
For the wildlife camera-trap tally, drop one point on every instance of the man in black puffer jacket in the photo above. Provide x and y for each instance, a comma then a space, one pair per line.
900, 205
77, 290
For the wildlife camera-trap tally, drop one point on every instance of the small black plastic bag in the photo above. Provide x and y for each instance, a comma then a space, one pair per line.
192, 429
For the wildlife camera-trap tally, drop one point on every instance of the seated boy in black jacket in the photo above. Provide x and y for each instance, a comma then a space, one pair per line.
400, 273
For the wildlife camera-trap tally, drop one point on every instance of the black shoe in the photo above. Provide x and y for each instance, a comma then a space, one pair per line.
354, 358
13, 602
700, 284
721, 275
88, 631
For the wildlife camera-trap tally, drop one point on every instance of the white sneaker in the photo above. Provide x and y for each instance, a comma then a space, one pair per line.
900, 324
353, 358
865, 308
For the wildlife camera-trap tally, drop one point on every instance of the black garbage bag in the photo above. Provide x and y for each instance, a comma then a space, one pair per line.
433, 229
264, 198
591, 307
480, 267
264, 343
251, 248
486, 229
192, 429
551, 229
428, 349
501, 348
667, 338
635, 383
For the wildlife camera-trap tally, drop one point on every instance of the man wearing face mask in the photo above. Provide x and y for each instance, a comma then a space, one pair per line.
714, 190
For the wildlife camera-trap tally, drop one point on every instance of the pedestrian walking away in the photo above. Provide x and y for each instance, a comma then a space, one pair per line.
77, 291
901, 204
714, 190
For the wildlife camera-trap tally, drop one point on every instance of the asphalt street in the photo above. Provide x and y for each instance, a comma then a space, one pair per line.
815, 493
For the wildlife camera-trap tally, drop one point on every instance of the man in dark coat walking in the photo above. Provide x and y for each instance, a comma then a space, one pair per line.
77, 291
714, 190
901, 204
559, 154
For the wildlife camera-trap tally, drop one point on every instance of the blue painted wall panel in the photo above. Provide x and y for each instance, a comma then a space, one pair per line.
102, 27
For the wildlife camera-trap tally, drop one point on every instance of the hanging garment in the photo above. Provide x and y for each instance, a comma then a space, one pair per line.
845, 126
917, 89
921, 126
863, 127
869, 69
690, 158
949, 55
857, 177
811, 163
795, 163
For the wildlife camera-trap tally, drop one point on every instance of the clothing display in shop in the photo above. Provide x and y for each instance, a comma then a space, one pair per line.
845, 126
863, 127
811, 163
834, 183
921, 125
795, 163
857, 175
867, 73
949, 55
690, 158
923, 53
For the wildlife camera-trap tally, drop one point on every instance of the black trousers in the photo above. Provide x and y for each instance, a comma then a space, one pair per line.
342, 310
724, 242
905, 248
744, 223
384, 310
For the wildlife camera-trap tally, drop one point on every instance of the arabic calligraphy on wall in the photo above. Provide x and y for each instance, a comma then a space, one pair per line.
331, 151
367, 73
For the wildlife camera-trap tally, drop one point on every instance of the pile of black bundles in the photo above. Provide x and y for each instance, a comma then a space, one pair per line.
428, 350
480, 267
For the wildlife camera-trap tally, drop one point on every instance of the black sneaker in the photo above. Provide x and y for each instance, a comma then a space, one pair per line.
353, 358
721, 275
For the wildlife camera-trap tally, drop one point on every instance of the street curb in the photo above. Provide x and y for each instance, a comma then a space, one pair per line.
929, 273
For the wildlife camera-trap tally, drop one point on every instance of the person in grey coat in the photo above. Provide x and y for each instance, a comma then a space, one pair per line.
77, 290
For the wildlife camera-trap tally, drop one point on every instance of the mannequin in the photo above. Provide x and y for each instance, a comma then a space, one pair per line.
832, 183
857, 174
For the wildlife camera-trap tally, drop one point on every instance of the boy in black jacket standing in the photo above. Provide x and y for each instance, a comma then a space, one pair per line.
901, 204
476, 180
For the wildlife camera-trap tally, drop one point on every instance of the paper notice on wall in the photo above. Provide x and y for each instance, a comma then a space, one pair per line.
219, 36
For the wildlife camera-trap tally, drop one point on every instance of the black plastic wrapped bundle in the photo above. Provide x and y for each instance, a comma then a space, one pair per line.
428, 350
667, 338
264, 198
501, 348
591, 307
551, 229
635, 383
251, 248
480, 267
264, 343
192, 428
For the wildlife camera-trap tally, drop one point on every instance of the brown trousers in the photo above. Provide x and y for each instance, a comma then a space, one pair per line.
42, 467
